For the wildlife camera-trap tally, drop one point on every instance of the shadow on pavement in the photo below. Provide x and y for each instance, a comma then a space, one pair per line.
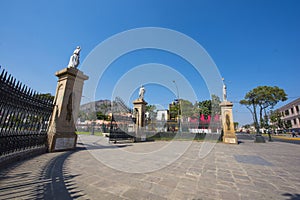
60, 185
292, 196
51, 181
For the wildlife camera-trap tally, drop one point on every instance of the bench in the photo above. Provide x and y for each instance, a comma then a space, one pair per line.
120, 135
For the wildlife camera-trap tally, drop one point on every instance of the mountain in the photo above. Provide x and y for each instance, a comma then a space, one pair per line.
103, 106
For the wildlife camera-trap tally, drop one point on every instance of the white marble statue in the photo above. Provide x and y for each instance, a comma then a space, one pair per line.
74, 59
224, 92
142, 93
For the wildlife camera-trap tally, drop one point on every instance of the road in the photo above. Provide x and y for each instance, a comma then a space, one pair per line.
246, 136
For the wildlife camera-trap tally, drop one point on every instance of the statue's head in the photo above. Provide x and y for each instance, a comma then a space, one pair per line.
77, 50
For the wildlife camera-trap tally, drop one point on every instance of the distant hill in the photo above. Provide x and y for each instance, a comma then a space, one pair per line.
103, 106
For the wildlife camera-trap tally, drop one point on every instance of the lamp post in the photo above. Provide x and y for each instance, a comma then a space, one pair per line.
93, 120
179, 118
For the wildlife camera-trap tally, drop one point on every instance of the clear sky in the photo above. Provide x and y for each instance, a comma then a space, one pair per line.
252, 42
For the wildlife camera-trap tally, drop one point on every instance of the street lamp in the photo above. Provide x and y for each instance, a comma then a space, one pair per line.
93, 120
179, 118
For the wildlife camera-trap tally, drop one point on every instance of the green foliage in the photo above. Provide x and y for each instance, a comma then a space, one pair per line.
46, 96
247, 126
260, 99
104, 108
186, 108
236, 125
210, 107
89, 133
173, 110
277, 122
150, 108
102, 116
205, 107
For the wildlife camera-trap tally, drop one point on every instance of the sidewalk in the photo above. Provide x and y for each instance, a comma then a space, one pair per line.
245, 171
286, 137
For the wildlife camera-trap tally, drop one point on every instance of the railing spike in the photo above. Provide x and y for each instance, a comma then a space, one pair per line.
2, 74
29, 91
19, 86
5, 76
23, 88
26, 90
14, 82
8, 79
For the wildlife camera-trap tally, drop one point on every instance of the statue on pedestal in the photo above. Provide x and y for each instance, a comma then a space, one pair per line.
74, 59
142, 93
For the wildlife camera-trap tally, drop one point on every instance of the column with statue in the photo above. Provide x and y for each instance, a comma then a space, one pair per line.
61, 131
139, 110
227, 119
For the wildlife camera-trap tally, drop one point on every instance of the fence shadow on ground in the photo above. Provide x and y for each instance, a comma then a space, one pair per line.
52, 181
291, 196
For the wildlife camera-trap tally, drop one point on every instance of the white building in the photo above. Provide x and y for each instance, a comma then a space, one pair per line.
161, 120
162, 115
291, 114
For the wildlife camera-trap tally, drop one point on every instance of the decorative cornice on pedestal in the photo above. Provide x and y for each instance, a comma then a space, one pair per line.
140, 101
73, 72
226, 103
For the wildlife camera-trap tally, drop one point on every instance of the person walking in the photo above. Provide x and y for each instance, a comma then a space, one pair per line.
293, 133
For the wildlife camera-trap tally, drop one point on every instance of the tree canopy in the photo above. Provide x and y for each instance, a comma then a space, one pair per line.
261, 98
210, 107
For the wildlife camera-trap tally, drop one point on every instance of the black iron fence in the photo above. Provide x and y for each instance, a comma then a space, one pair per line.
24, 117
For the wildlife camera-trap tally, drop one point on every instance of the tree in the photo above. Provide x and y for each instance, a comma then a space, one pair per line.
277, 122
174, 110
275, 119
102, 116
151, 109
215, 104
259, 100
205, 107
210, 107
186, 108
247, 126
236, 125
45, 96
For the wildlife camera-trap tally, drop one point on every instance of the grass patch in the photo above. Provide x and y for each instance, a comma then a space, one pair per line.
89, 133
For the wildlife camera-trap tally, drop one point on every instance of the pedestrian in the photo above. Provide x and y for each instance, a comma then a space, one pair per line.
293, 133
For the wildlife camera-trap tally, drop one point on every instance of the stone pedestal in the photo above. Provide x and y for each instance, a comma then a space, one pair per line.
61, 131
139, 109
227, 123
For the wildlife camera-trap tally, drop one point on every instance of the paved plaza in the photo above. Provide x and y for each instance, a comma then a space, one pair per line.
157, 170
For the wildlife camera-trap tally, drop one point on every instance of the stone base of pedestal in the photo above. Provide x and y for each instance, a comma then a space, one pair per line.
62, 141
231, 139
141, 138
259, 139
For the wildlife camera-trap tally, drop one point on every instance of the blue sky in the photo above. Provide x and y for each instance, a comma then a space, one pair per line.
251, 42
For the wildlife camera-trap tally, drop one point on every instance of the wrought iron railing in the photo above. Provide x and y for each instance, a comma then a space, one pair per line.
24, 117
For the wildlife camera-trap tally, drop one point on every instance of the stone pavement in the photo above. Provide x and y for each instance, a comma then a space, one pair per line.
245, 171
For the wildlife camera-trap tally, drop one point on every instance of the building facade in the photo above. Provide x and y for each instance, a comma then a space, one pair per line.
291, 114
